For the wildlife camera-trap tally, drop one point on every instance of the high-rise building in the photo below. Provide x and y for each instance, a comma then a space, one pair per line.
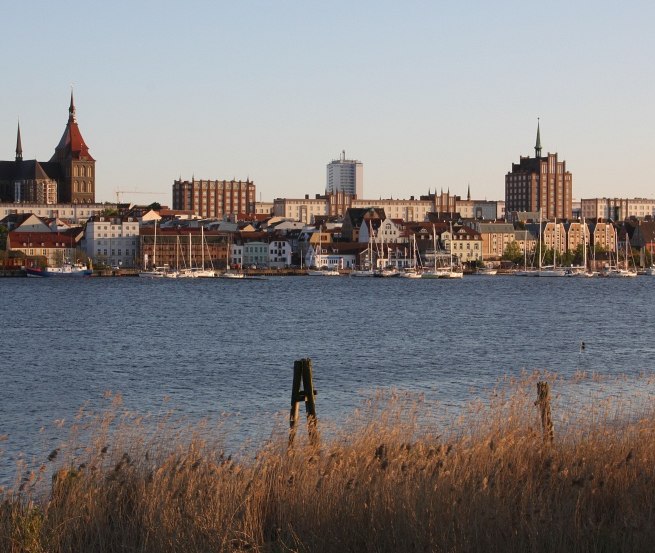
214, 198
540, 183
68, 178
345, 175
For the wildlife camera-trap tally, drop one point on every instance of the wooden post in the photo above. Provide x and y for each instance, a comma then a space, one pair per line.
302, 372
543, 401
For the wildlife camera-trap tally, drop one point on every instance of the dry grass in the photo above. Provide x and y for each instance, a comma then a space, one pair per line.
486, 483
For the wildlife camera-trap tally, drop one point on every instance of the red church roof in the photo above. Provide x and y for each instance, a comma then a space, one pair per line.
72, 144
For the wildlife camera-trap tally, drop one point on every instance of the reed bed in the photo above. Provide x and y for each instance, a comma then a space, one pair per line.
383, 482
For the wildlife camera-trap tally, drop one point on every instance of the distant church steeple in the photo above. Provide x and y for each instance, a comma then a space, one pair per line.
468, 193
19, 146
537, 146
71, 110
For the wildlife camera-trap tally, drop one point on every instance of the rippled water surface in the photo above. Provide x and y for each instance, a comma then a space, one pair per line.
216, 346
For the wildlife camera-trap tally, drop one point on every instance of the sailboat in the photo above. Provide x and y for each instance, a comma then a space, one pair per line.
621, 272
386, 270
412, 271
551, 270
442, 272
486, 269
197, 272
526, 271
229, 272
154, 272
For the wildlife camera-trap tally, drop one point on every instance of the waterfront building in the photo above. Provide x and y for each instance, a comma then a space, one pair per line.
465, 244
617, 209
215, 198
68, 177
495, 238
345, 175
112, 241
279, 254
553, 235
255, 254
55, 248
603, 235
577, 233
182, 248
540, 183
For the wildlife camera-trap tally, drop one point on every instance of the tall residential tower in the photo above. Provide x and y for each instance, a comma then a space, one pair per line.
345, 175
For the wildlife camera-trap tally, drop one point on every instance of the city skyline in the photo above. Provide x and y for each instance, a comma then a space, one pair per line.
425, 96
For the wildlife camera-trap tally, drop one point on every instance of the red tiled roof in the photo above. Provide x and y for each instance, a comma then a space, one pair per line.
40, 240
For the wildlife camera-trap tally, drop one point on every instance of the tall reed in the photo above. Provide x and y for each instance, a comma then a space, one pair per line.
384, 481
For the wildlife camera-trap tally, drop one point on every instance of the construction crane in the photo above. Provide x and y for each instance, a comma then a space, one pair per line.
119, 192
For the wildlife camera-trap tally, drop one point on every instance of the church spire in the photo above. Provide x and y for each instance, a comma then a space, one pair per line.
19, 145
468, 193
71, 110
537, 146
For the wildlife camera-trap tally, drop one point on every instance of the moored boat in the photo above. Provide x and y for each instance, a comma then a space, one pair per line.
66, 270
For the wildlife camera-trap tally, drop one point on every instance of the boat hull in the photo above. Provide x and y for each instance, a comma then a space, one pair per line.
57, 272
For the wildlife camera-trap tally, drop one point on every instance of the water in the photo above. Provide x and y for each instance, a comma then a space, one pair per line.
215, 346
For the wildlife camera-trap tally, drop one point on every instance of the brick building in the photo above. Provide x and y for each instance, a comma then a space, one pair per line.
540, 183
215, 198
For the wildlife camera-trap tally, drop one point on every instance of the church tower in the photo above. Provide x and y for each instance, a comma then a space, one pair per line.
78, 168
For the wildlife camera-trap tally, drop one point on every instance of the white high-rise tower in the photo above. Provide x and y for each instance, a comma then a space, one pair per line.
345, 175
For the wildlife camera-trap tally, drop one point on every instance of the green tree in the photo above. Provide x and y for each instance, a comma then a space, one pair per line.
513, 252
155, 206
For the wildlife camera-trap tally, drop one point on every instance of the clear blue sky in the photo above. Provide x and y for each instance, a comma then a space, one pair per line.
426, 94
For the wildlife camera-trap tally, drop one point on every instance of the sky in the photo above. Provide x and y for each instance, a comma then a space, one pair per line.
427, 94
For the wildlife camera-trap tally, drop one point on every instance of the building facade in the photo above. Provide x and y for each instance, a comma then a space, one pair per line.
215, 198
345, 175
77, 213
540, 183
182, 248
617, 209
68, 177
112, 241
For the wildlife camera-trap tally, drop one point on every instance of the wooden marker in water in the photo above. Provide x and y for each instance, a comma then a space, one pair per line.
302, 372
543, 401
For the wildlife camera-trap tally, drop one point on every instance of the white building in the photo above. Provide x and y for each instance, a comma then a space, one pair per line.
112, 241
345, 175
279, 254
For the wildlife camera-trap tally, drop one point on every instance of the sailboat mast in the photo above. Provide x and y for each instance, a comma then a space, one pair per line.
540, 239
154, 247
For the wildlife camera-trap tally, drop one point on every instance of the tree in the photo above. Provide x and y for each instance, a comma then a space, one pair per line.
156, 206
513, 252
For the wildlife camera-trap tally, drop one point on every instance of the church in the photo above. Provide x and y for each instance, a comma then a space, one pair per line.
67, 178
